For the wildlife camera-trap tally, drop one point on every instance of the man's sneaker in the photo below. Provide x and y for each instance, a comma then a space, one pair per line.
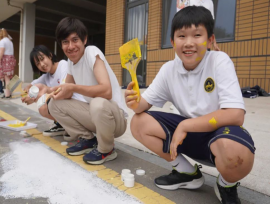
96, 157
227, 195
177, 180
82, 147
55, 130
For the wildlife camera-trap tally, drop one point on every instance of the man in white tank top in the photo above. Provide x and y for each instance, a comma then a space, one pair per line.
90, 75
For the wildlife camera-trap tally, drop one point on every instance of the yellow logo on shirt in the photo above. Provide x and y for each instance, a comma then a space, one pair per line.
209, 85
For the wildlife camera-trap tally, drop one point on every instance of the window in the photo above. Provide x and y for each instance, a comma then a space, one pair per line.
168, 11
225, 19
225, 11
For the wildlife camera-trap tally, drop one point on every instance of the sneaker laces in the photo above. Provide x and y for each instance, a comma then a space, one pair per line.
96, 152
80, 142
53, 126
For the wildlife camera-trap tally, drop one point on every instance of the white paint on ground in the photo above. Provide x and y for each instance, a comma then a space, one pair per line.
33, 170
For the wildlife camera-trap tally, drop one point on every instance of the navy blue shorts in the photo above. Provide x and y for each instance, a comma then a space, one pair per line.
197, 144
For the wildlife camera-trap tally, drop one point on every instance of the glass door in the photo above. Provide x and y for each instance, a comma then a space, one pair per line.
136, 27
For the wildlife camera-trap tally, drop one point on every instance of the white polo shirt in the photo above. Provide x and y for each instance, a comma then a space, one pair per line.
211, 86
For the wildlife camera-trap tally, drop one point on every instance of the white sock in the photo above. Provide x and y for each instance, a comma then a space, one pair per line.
223, 182
181, 164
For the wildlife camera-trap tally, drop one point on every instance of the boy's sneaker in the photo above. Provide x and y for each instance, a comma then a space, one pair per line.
96, 157
55, 130
227, 195
177, 180
82, 147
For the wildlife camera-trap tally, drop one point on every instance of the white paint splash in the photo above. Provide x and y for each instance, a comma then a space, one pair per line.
33, 170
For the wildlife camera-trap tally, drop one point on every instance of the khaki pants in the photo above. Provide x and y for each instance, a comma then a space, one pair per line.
80, 119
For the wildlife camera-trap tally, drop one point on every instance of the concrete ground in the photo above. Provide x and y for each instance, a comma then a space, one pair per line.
255, 188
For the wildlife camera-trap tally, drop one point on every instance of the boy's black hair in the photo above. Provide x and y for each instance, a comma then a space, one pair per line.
193, 15
68, 26
36, 53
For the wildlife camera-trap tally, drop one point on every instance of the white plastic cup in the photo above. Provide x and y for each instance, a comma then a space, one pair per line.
33, 92
124, 173
129, 180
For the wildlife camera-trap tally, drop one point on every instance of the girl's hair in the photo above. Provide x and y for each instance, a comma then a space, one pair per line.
37, 52
4, 33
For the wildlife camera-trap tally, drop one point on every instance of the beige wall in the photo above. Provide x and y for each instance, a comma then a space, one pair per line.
114, 37
250, 51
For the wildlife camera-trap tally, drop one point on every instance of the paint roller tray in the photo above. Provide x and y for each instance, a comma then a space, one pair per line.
27, 126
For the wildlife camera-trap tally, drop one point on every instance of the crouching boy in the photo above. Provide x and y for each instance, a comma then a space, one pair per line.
204, 88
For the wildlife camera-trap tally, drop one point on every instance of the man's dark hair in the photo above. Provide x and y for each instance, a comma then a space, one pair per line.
37, 52
193, 15
68, 26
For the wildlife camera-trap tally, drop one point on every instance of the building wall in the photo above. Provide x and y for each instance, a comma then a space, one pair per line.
115, 16
250, 51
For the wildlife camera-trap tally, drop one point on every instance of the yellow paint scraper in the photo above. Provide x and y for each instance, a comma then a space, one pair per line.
130, 54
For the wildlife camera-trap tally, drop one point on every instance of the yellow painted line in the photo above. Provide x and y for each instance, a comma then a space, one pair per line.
142, 193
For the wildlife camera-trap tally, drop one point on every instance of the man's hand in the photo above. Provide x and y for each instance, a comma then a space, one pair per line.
65, 91
178, 138
131, 97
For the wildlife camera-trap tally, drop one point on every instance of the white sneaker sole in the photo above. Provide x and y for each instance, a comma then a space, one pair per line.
85, 151
108, 158
217, 192
53, 134
196, 183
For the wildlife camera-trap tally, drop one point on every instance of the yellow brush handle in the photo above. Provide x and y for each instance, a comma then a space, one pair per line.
136, 85
51, 94
26, 120
132, 68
